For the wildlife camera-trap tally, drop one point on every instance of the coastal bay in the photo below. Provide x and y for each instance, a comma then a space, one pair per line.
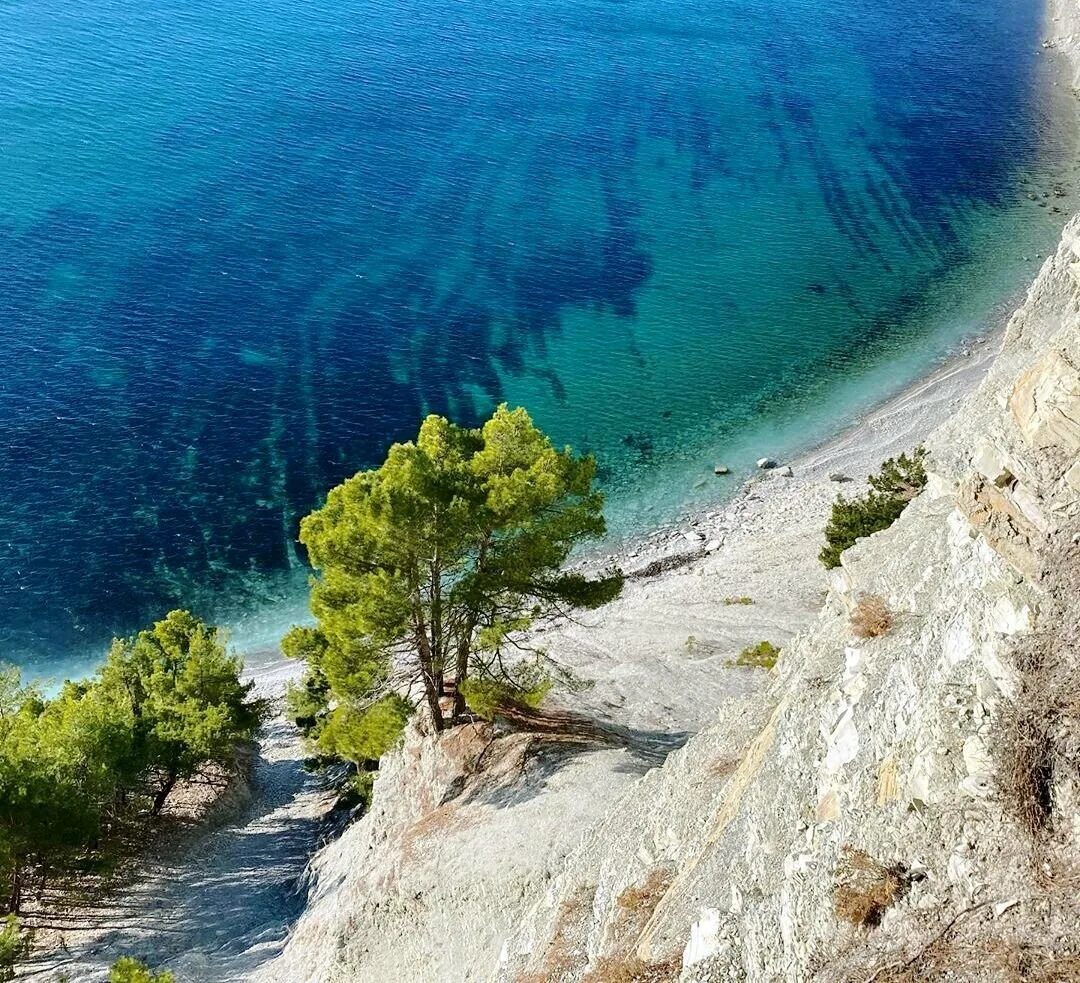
657, 657
675, 237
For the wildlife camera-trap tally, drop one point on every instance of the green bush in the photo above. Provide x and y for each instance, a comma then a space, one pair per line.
524, 685
760, 656
14, 944
898, 482
358, 790
76, 765
360, 736
128, 970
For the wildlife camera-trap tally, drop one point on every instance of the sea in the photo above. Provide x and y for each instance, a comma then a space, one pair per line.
247, 244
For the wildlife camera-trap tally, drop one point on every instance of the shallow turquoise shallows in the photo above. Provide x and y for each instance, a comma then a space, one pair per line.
244, 244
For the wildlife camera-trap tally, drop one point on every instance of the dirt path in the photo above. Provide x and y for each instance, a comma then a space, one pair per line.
222, 906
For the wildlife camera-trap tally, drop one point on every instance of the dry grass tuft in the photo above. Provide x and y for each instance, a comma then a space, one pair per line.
643, 898
724, 767
867, 888
631, 969
1038, 733
871, 617
999, 960
1025, 755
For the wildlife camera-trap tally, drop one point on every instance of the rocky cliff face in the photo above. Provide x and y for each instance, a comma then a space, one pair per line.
901, 801
896, 807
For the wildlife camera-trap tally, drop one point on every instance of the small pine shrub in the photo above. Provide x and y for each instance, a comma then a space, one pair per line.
128, 970
357, 792
526, 685
760, 656
871, 617
737, 600
897, 483
14, 946
364, 735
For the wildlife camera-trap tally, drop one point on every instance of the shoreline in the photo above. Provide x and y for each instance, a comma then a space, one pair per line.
911, 412
657, 657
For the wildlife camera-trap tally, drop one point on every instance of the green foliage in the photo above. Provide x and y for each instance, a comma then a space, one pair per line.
898, 482
359, 791
166, 702
432, 567
760, 656
523, 685
737, 600
307, 704
364, 735
14, 946
128, 970
184, 690
60, 766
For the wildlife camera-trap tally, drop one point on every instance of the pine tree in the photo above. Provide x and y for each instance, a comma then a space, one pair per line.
432, 569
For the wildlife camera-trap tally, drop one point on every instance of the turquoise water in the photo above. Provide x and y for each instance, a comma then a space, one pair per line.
244, 245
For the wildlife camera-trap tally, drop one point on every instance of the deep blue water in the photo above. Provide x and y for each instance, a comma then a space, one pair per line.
244, 244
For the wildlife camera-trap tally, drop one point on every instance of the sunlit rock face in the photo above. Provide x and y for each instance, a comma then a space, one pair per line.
882, 761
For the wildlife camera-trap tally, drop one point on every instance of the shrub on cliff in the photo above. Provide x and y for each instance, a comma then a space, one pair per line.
760, 656
897, 483
432, 568
129, 970
14, 944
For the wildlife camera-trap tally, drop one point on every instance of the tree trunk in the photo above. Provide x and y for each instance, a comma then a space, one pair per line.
461, 670
163, 794
15, 898
432, 680
432, 693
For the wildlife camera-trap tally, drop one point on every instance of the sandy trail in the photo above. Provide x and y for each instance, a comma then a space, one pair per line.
222, 906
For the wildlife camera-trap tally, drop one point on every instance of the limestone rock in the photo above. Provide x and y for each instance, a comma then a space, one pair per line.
996, 516
1046, 403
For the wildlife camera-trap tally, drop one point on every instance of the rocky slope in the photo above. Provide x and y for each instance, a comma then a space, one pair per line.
898, 807
884, 801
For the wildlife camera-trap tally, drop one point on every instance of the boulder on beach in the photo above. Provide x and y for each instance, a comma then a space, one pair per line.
838, 477
766, 462
787, 472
